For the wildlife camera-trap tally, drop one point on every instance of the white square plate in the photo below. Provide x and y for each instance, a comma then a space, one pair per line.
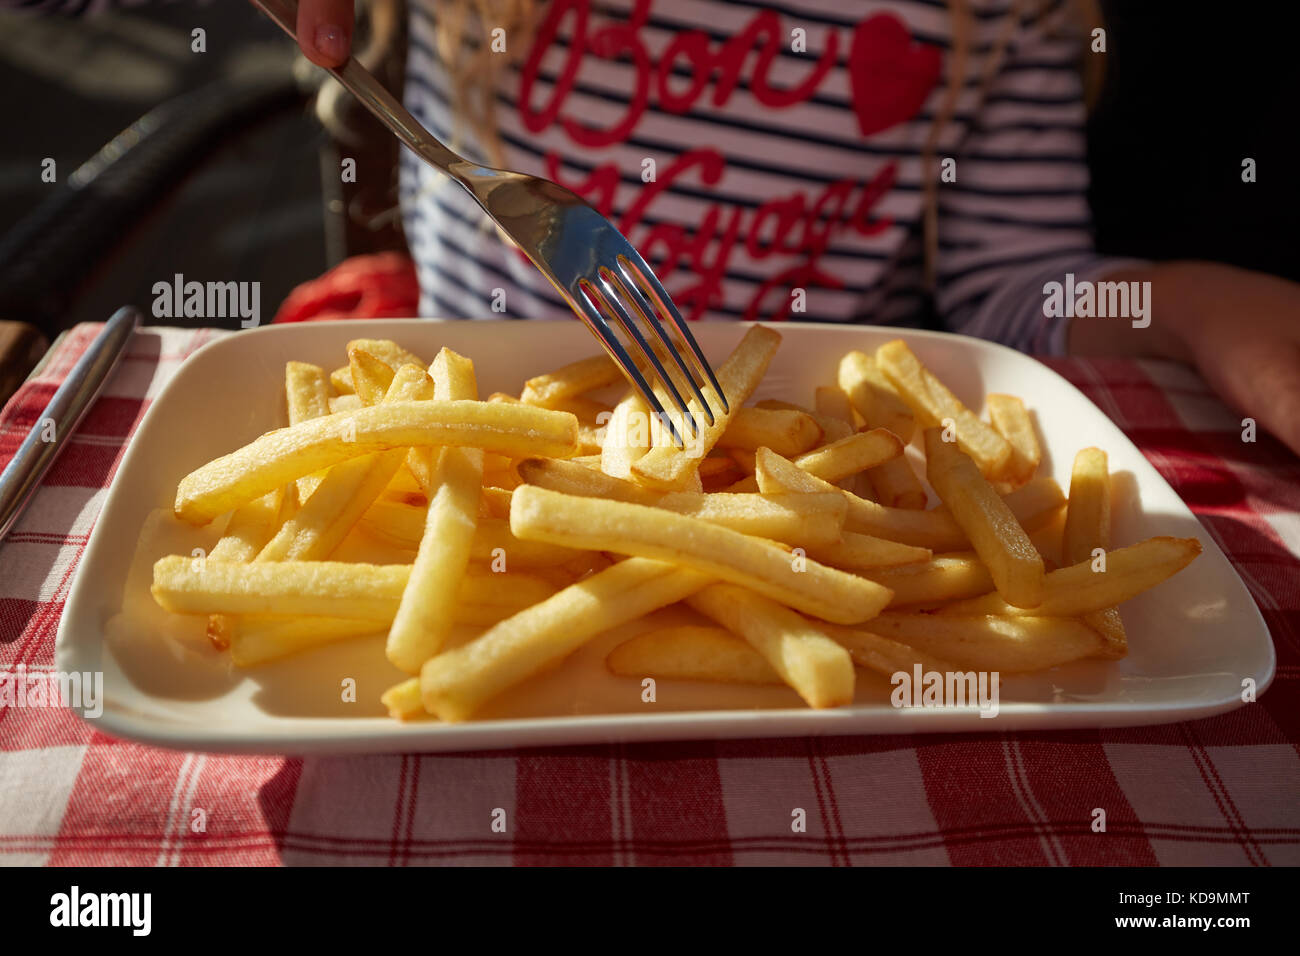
1193, 640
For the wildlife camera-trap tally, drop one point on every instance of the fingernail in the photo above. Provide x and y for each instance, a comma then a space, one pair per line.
331, 43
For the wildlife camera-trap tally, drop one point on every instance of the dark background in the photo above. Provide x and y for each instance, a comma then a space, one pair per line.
1190, 90
253, 205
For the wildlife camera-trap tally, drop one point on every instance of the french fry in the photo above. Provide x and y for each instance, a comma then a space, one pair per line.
818, 668
805, 520
198, 586
1087, 526
342, 404
833, 406
281, 456
638, 530
1078, 589
994, 532
585, 375
260, 639
587, 410
946, 577
257, 639
1010, 645
403, 700
691, 652
874, 396
459, 681
307, 395
371, 377
366, 592
321, 524
785, 431
427, 611
668, 467
405, 489
574, 479
1012, 422
347, 489
422, 462
495, 502
493, 540
402, 526
831, 402
744, 459
250, 527
627, 436
560, 576
745, 486
895, 485
1087, 514
861, 484
851, 455
882, 655
841, 459
862, 552
1110, 625
501, 478
833, 429
717, 473
1033, 505
341, 380
919, 528
931, 403
865, 388
926, 529
386, 350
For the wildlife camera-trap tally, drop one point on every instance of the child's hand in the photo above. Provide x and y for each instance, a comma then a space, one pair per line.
325, 30
1241, 329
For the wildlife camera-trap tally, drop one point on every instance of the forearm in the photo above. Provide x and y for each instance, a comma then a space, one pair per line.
1184, 296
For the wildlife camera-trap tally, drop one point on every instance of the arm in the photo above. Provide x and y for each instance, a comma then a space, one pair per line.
1241, 330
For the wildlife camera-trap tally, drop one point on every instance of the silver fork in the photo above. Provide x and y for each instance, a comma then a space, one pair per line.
593, 267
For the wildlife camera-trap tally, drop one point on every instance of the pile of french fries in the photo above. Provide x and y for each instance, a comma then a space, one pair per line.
800, 536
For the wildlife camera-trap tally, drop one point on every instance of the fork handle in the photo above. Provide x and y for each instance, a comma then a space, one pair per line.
362, 84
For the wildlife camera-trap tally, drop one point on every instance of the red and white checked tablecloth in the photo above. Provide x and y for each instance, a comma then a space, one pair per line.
1220, 791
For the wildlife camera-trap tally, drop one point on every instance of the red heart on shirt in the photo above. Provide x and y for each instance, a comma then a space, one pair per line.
891, 76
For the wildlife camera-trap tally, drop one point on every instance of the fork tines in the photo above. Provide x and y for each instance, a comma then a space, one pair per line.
635, 299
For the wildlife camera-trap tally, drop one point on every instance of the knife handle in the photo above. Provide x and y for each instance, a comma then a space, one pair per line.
71, 400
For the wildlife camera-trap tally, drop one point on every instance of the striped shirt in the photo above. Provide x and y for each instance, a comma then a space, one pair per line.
779, 178
767, 159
